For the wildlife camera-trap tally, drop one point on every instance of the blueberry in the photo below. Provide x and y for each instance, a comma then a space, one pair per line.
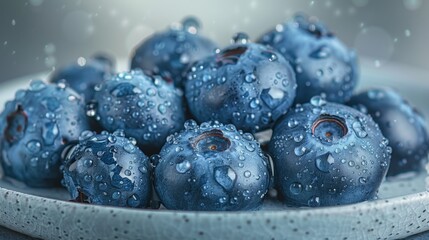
146, 107
83, 78
328, 154
401, 124
108, 169
211, 167
170, 52
35, 127
106, 59
322, 63
246, 84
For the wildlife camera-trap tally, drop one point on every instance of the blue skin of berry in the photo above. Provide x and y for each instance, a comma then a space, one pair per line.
328, 154
108, 170
247, 85
401, 124
83, 78
169, 53
35, 127
105, 59
211, 168
322, 63
146, 107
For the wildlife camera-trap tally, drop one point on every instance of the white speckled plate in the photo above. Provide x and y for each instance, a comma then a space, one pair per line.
401, 210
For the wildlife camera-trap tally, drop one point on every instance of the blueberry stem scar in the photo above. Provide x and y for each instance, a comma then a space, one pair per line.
213, 140
230, 56
15, 125
330, 119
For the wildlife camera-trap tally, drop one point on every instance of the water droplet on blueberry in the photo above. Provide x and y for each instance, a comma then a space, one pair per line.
225, 176
183, 167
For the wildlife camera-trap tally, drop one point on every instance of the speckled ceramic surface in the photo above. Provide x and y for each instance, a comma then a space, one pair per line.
401, 210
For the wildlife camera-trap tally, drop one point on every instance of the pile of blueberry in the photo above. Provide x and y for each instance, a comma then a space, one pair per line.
128, 139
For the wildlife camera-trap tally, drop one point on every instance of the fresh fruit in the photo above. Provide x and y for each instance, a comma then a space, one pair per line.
146, 107
107, 169
246, 84
211, 167
328, 154
106, 59
401, 124
169, 53
35, 127
322, 63
84, 77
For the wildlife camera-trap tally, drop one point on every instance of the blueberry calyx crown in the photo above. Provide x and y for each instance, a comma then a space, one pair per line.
230, 56
212, 141
16, 124
329, 128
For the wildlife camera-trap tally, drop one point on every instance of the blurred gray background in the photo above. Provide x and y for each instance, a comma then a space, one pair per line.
40, 35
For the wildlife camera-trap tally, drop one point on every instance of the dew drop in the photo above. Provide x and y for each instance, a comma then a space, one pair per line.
34, 161
111, 138
362, 180
247, 136
250, 78
162, 109
375, 94
254, 103
151, 92
300, 150
314, 201
295, 188
87, 163
292, 123
225, 176
37, 85
250, 147
99, 178
332, 191
34, 146
142, 169
110, 120
183, 167
359, 129
129, 148
223, 200
50, 132
102, 186
324, 162
321, 53
221, 80
317, 101
50, 115
124, 89
272, 97
87, 178
190, 125
133, 201
116, 195
298, 138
